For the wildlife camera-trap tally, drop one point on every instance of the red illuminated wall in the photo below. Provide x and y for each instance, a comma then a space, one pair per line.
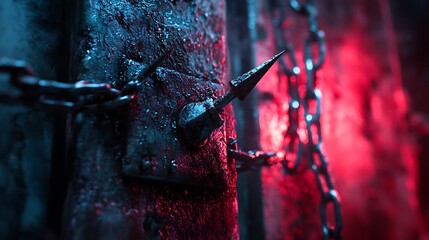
372, 155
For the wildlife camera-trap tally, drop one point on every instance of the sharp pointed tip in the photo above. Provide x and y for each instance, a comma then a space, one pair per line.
242, 85
277, 56
280, 53
267, 64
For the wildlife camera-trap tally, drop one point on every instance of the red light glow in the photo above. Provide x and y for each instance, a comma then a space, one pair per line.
372, 157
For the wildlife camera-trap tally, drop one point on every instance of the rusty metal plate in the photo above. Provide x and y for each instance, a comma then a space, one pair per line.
155, 149
141, 31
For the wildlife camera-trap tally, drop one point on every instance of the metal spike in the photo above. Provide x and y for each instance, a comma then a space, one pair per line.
241, 86
152, 66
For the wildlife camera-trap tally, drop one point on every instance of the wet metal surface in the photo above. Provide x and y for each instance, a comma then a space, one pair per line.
134, 178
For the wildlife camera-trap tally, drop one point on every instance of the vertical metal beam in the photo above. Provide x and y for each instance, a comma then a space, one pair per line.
63, 132
241, 15
133, 173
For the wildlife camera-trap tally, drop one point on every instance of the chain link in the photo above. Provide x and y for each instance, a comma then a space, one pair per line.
54, 95
311, 106
293, 143
78, 96
251, 160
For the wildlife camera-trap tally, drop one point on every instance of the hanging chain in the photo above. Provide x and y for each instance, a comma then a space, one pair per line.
51, 94
311, 104
293, 145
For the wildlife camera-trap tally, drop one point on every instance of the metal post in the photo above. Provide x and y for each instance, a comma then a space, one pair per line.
241, 42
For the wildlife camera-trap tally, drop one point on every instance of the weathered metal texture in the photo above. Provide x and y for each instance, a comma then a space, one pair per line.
241, 44
25, 133
134, 176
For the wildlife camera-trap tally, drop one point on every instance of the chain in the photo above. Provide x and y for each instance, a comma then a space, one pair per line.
79, 96
293, 144
251, 160
311, 105
51, 94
